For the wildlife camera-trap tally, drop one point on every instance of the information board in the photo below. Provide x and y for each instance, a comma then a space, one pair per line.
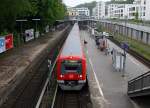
29, 35
2, 44
9, 41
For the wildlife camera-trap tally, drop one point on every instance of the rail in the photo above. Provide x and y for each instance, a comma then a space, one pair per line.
69, 99
140, 85
48, 85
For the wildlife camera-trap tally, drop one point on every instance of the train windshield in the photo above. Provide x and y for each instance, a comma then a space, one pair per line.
71, 66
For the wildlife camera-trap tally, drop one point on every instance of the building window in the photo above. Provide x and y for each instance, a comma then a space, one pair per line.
133, 8
144, 2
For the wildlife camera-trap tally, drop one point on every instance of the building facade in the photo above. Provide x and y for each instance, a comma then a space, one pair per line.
76, 13
83, 11
147, 11
139, 9
99, 12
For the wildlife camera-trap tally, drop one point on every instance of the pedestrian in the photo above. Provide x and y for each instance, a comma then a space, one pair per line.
24, 37
85, 42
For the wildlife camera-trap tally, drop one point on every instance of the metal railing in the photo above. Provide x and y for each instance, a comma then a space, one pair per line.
140, 85
48, 92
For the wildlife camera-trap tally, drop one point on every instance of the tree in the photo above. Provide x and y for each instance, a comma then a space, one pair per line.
47, 10
10, 10
121, 1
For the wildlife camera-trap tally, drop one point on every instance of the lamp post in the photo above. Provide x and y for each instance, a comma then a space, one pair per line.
126, 17
36, 22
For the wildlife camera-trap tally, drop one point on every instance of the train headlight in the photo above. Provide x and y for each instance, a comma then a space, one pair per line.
80, 76
71, 57
61, 76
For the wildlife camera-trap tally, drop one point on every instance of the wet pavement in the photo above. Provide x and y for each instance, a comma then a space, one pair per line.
113, 87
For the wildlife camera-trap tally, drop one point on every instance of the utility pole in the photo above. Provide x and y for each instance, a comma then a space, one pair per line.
125, 28
36, 27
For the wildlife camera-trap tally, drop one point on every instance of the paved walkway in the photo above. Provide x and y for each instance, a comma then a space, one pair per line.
113, 85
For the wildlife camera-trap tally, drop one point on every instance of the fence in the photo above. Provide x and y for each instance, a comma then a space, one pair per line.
6, 43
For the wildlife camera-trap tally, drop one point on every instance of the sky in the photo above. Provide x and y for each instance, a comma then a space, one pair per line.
72, 3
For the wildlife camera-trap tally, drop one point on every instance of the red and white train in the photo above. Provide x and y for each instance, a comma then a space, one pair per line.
71, 62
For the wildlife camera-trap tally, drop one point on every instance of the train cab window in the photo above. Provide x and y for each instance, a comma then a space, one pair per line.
71, 66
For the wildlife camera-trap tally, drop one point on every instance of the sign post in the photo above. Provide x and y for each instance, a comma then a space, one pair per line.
125, 47
36, 28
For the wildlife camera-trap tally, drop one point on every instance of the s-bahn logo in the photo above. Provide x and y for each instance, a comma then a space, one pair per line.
6, 42
2, 44
70, 76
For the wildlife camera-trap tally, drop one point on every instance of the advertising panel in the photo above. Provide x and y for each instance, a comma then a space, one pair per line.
2, 44
47, 29
9, 41
29, 35
37, 34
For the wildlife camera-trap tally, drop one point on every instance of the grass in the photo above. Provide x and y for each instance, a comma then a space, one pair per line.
133, 21
139, 47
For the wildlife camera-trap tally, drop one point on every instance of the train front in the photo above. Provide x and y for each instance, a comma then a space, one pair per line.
71, 73
71, 63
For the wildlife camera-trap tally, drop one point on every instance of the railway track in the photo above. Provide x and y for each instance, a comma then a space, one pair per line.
73, 99
139, 57
26, 93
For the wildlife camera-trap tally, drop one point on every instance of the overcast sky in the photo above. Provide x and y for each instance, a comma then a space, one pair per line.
73, 3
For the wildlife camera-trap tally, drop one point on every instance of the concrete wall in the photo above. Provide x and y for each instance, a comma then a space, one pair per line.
130, 32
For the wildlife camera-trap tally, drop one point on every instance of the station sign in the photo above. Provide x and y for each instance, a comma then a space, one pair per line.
125, 46
9, 41
2, 44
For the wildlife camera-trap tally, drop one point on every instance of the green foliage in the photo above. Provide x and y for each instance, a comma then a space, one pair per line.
3, 33
99, 27
130, 1
9, 11
90, 6
121, 2
47, 10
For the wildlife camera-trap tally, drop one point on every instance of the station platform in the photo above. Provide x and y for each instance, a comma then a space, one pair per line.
17, 63
108, 88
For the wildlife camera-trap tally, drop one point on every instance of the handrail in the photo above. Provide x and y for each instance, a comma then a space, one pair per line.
44, 89
147, 73
139, 86
52, 63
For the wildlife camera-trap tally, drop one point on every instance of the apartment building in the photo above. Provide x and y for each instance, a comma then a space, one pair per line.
83, 11
139, 8
76, 13
99, 12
